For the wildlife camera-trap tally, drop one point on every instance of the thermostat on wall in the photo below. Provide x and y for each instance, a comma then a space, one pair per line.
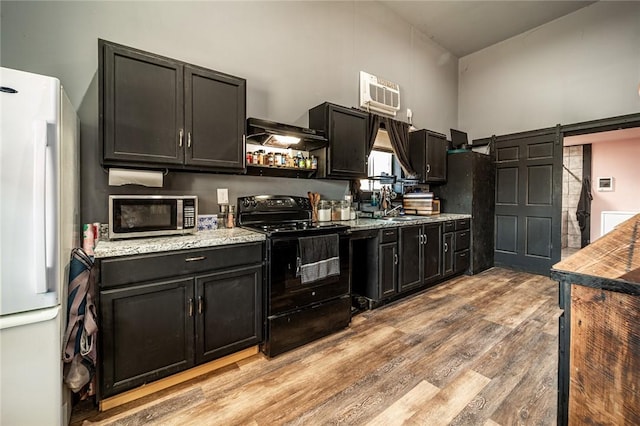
605, 183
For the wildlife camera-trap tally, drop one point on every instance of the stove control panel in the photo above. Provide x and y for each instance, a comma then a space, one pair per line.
273, 203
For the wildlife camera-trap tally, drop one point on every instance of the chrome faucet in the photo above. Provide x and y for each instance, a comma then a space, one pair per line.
393, 211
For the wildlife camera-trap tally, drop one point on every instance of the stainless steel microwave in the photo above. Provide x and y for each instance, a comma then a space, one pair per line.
133, 216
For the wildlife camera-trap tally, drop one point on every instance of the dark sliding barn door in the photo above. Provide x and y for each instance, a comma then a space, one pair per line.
528, 200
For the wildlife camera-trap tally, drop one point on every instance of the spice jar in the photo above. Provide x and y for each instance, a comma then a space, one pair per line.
278, 159
335, 210
231, 220
324, 211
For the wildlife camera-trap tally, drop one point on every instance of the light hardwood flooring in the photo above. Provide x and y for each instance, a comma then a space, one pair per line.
479, 350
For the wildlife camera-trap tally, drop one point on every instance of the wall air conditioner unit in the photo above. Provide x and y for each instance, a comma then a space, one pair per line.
379, 95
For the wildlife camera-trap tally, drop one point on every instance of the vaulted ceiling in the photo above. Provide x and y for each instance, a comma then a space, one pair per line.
464, 27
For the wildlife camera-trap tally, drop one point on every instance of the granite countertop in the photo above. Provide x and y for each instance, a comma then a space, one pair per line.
366, 223
200, 239
219, 237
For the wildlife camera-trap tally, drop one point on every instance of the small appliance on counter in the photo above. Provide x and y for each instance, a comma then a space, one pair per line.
134, 216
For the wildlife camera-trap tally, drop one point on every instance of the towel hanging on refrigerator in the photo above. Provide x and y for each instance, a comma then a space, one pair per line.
319, 257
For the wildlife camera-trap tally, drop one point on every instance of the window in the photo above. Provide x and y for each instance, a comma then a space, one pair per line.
380, 163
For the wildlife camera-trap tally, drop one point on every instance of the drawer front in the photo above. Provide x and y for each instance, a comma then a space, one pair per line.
126, 270
462, 224
461, 261
388, 235
449, 226
462, 240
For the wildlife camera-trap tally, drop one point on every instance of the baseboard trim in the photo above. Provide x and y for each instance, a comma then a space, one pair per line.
167, 382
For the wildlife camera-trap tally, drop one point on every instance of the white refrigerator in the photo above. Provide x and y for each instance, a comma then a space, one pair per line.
39, 225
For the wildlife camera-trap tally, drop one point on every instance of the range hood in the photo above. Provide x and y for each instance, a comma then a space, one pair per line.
270, 133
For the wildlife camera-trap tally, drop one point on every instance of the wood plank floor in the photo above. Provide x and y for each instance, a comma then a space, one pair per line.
478, 350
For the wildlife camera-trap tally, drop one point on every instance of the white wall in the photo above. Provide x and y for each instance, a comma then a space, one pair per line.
294, 55
581, 67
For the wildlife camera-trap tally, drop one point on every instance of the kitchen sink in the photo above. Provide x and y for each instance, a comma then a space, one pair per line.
402, 218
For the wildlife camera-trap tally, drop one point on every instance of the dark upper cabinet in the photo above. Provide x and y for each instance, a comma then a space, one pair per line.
346, 129
160, 112
428, 155
215, 112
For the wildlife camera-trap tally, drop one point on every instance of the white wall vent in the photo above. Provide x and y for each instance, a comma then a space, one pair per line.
378, 94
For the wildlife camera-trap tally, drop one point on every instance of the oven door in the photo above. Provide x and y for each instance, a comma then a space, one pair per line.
286, 291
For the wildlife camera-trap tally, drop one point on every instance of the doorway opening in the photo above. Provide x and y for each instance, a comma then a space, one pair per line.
598, 149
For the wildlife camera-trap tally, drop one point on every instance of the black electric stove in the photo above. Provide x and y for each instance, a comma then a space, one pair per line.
298, 311
282, 216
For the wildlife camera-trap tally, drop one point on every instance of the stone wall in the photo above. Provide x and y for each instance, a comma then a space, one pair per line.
571, 186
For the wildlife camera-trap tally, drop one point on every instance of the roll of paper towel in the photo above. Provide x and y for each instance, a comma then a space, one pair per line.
119, 177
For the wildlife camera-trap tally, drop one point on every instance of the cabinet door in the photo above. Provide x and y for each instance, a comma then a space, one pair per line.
388, 269
428, 154
410, 254
141, 107
447, 253
346, 130
215, 117
229, 309
147, 333
436, 158
432, 250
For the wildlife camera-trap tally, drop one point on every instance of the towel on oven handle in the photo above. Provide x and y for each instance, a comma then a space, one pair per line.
319, 257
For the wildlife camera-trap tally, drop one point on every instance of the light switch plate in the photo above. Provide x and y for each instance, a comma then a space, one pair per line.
223, 196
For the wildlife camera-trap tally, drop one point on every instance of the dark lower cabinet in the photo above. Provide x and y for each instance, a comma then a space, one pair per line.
398, 260
146, 333
411, 267
419, 255
374, 257
456, 247
448, 254
388, 273
160, 326
229, 312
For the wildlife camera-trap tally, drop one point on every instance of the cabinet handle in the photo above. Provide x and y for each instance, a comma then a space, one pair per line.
200, 304
181, 137
446, 247
428, 168
188, 139
395, 259
190, 307
425, 239
195, 259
